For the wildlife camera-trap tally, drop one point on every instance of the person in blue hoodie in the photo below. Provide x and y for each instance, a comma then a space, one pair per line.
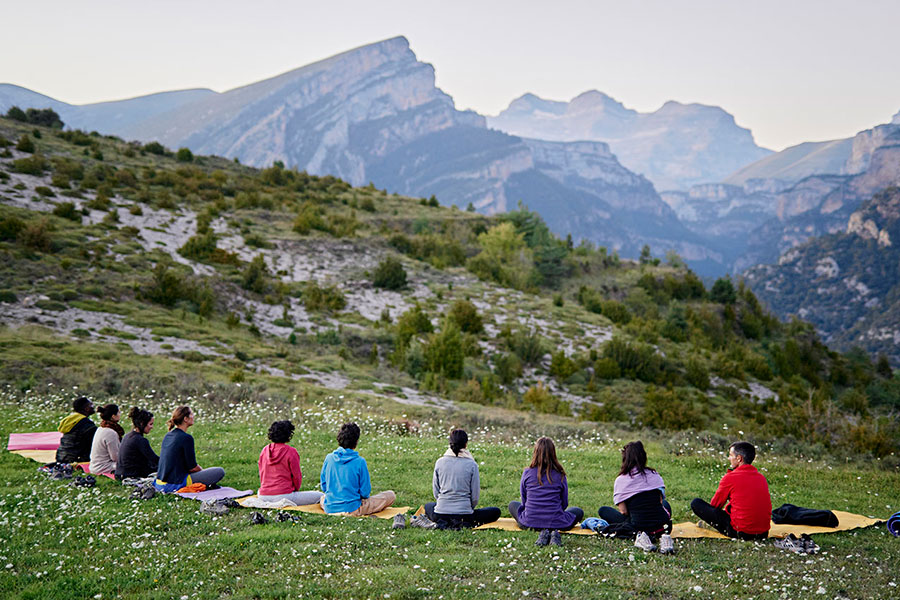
345, 479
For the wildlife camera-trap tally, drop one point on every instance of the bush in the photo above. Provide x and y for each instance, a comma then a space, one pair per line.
444, 352
323, 298
390, 274
508, 368
697, 374
470, 391
184, 155
166, 287
99, 202
255, 277
637, 361
199, 247
25, 144
723, 291
411, 323
31, 165
155, 148
504, 258
36, 236
67, 210
528, 345
465, 314
10, 227
561, 366
16, 114
667, 409
607, 368
540, 399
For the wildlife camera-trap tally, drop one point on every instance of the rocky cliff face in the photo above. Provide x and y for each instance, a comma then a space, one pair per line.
675, 147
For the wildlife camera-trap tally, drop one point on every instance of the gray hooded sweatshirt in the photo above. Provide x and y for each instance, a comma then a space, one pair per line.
456, 485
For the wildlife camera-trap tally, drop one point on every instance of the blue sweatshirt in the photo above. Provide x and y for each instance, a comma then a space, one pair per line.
345, 481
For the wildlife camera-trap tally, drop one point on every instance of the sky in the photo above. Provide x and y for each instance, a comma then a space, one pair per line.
789, 70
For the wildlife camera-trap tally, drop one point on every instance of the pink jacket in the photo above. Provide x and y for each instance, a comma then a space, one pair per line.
279, 470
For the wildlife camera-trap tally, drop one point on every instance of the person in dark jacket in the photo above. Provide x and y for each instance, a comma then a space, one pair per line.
177, 462
78, 433
136, 457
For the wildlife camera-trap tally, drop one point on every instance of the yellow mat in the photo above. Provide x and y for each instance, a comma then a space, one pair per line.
509, 524
42, 456
846, 522
316, 509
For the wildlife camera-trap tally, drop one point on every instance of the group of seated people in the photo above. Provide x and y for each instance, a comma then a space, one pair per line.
741, 507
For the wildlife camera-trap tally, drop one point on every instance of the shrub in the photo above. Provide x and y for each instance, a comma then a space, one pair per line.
43, 190
323, 298
723, 291
10, 227
25, 144
470, 391
16, 114
67, 210
390, 274
607, 368
465, 314
607, 411
697, 374
504, 258
184, 155
155, 148
255, 277
412, 322
444, 352
36, 236
199, 247
637, 361
8, 296
46, 117
99, 202
667, 409
31, 165
540, 398
527, 345
561, 366
508, 368
367, 204
165, 287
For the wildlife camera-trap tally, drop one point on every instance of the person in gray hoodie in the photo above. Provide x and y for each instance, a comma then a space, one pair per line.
456, 487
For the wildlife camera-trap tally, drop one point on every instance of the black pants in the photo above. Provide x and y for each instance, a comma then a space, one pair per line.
612, 515
721, 521
479, 516
514, 511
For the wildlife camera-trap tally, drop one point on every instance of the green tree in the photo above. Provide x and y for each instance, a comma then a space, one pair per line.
723, 291
390, 274
466, 316
504, 257
444, 352
184, 155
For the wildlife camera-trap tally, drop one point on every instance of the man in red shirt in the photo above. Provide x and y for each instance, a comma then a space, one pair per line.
741, 507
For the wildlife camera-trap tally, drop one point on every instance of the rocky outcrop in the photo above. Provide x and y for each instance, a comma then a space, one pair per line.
675, 147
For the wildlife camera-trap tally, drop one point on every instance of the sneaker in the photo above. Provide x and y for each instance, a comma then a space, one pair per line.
790, 543
211, 507
422, 521
145, 492
87, 481
642, 541
704, 525
257, 518
666, 544
61, 471
556, 538
284, 515
543, 538
399, 522
809, 546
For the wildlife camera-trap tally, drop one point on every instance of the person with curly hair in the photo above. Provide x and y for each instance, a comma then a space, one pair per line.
136, 457
345, 479
279, 469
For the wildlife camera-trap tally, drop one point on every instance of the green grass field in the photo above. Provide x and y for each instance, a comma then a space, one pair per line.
62, 542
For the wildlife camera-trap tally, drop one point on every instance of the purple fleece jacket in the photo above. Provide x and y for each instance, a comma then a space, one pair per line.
544, 506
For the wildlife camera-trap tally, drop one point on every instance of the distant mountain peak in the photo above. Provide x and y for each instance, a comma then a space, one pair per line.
896, 119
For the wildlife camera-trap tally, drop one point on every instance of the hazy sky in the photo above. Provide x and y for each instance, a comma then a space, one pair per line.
790, 70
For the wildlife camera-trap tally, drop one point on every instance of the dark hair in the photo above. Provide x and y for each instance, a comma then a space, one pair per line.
139, 418
634, 457
80, 404
108, 412
745, 450
544, 460
280, 432
178, 417
458, 440
348, 436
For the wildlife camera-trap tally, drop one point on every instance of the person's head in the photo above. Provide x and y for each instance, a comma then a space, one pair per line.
280, 432
544, 459
634, 457
459, 439
141, 419
83, 405
741, 453
348, 436
109, 413
182, 415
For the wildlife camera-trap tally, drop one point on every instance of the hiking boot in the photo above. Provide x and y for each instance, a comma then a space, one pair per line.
809, 546
556, 538
543, 538
257, 518
399, 522
422, 521
666, 544
61, 471
87, 481
790, 543
145, 492
213, 508
284, 515
643, 541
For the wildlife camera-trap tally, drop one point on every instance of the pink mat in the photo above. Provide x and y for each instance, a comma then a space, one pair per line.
44, 440
86, 467
222, 492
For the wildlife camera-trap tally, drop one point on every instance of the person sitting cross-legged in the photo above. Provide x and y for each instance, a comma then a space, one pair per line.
177, 462
456, 486
77, 433
741, 507
279, 469
345, 479
639, 495
136, 457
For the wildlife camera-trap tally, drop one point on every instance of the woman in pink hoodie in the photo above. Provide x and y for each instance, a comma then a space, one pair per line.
279, 469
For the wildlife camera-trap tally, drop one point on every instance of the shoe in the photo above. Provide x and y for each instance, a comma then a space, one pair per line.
399, 522
422, 521
666, 544
556, 538
704, 525
145, 492
543, 538
87, 481
284, 515
809, 546
642, 541
257, 518
214, 508
61, 471
790, 543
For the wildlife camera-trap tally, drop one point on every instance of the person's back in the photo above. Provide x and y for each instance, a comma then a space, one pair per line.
746, 491
176, 457
136, 457
104, 451
345, 481
279, 470
545, 502
77, 431
456, 484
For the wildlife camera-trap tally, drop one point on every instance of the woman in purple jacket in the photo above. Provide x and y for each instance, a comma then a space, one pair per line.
545, 496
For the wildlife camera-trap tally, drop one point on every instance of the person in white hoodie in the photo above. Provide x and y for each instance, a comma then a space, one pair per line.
456, 486
105, 447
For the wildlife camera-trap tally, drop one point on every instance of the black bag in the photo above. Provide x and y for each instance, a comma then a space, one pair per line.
788, 514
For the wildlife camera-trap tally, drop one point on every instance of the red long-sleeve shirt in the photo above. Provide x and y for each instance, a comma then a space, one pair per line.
746, 493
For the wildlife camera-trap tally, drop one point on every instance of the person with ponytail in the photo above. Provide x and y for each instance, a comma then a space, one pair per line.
639, 495
136, 457
456, 487
105, 447
177, 462
545, 496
